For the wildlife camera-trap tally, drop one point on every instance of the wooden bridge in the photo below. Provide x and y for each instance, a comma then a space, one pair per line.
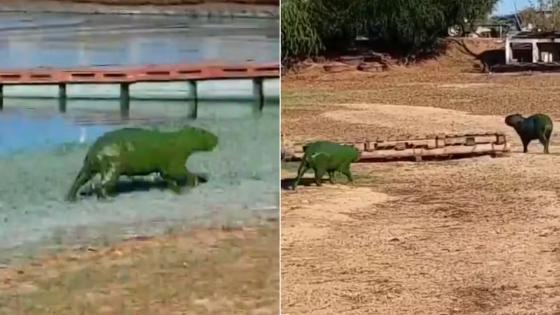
442, 146
125, 76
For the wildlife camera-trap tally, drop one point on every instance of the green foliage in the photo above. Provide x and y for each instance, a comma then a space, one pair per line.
299, 33
337, 21
311, 27
470, 10
409, 25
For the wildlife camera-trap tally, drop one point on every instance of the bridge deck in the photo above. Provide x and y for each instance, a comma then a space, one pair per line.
152, 73
124, 76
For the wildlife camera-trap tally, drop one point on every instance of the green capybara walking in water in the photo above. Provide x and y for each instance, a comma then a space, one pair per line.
538, 126
327, 157
140, 152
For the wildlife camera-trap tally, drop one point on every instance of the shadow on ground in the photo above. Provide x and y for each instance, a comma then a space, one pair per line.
142, 184
287, 183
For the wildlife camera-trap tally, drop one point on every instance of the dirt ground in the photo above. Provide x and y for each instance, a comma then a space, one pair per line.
197, 272
469, 236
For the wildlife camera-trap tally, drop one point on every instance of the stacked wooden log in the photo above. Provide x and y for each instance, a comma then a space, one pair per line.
370, 62
419, 148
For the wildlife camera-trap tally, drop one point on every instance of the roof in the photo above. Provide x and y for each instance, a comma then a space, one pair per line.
537, 35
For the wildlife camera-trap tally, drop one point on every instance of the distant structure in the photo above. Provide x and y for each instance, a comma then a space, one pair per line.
533, 47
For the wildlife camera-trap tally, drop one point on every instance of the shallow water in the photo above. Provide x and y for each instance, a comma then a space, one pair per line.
72, 40
42, 151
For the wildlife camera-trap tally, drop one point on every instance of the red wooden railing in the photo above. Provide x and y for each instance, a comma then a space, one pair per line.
151, 73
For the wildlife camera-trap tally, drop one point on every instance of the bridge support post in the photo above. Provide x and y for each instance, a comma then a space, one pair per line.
1, 97
62, 97
194, 93
125, 99
258, 93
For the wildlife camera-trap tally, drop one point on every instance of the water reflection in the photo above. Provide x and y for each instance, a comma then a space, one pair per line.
62, 40
40, 126
22, 132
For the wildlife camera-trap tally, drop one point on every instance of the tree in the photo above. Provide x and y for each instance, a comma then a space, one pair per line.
311, 27
299, 35
544, 15
409, 24
467, 13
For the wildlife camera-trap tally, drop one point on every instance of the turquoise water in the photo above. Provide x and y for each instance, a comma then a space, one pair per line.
42, 151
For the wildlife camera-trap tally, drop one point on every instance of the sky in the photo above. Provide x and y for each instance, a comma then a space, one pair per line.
507, 6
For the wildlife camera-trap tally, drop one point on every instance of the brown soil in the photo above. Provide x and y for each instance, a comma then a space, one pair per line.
471, 236
199, 272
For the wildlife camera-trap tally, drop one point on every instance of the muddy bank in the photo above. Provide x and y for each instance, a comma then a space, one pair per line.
193, 8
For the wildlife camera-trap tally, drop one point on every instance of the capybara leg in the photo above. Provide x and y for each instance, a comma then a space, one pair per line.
525, 144
319, 173
301, 170
174, 175
83, 177
544, 141
320, 162
548, 135
172, 184
331, 177
109, 180
346, 171
191, 179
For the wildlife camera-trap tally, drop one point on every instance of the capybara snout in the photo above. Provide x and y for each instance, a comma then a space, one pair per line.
514, 119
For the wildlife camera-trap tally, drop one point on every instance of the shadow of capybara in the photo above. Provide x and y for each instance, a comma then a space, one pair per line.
327, 157
538, 126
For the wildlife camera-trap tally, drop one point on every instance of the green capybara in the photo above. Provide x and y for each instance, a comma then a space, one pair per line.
140, 152
327, 157
538, 126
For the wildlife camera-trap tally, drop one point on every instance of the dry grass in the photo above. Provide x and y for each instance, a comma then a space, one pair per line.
204, 271
472, 236
447, 83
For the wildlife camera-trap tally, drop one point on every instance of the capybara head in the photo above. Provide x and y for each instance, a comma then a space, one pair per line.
357, 152
202, 140
514, 120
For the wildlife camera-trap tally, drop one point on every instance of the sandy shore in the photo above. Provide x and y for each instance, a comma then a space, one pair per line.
253, 9
210, 271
